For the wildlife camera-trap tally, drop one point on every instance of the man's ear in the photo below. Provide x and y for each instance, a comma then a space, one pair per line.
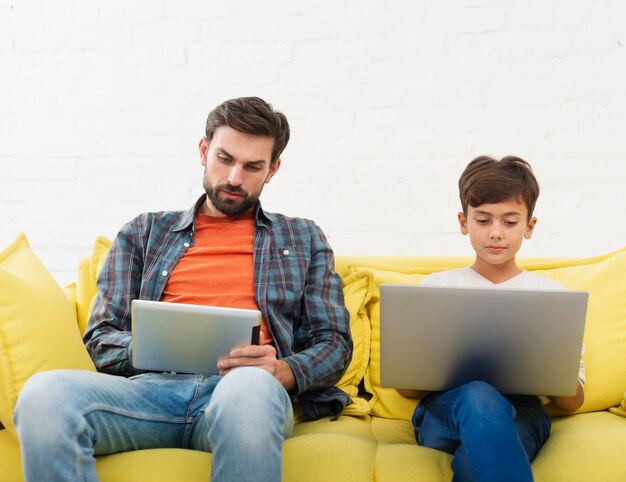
273, 169
530, 227
463, 223
203, 147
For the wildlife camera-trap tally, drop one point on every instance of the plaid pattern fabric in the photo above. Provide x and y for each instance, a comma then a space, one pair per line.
296, 290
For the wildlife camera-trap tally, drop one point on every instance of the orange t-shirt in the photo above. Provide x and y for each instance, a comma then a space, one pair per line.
218, 270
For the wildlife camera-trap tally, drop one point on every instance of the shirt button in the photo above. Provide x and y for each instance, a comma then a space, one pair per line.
164, 272
286, 252
186, 245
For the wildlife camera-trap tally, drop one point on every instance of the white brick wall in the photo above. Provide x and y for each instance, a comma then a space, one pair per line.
102, 105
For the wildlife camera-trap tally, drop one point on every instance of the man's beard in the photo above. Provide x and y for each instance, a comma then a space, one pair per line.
230, 207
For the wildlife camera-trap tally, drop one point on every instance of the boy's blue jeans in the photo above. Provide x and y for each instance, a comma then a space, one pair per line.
493, 437
66, 417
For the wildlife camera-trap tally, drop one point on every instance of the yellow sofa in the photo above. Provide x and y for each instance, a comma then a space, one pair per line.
372, 439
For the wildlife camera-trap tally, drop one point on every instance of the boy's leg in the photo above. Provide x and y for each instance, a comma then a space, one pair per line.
532, 423
66, 417
476, 424
244, 425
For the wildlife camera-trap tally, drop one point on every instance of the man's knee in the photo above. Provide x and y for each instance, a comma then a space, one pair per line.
249, 395
245, 383
43, 401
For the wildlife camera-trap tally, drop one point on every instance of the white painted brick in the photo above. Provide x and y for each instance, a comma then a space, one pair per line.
6, 42
385, 28
465, 19
310, 27
253, 8
101, 111
143, 11
550, 44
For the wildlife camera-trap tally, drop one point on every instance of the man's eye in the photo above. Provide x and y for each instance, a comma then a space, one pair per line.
253, 168
223, 159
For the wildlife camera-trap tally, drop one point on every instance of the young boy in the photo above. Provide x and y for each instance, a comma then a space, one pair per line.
493, 436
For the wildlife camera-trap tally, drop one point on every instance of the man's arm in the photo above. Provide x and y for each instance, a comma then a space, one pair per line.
108, 334
322, 339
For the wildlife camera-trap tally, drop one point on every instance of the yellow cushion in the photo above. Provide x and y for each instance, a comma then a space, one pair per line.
584, 447
88, 270
70, 293
621, 410
37, 325
605, 328
386, 402
399, 458
357, 291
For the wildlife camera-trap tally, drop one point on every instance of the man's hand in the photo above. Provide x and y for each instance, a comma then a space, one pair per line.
262, 356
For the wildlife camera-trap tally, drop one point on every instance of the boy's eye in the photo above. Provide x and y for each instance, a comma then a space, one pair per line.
511, 223
482, 221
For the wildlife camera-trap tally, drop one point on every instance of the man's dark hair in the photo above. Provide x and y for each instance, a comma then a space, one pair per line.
251, 115
488, 180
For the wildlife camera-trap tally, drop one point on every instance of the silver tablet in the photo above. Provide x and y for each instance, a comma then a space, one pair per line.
185, 338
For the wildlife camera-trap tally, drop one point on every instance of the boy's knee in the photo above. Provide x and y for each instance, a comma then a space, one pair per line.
481, 397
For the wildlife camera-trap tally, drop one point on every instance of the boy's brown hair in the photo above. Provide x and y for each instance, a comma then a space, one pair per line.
251, 115
488, 180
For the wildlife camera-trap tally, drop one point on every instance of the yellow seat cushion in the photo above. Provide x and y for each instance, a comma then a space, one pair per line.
38, 329
582, 448
399, 458
605, 329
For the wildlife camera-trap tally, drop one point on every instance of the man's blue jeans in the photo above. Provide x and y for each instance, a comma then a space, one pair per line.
66, 417
493, 437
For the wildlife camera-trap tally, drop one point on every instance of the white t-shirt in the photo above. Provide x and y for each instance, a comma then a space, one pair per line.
468, 278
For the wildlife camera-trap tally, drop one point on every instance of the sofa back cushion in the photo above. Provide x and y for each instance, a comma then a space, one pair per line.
38, 328
605, 329
357, 290
88, 270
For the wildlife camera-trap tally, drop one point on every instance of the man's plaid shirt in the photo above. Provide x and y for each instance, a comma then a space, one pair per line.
296, 290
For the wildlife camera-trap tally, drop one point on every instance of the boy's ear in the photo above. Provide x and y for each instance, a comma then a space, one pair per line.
463, 223
530, 227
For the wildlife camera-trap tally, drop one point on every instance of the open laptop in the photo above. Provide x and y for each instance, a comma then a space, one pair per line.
520, 341
186, 338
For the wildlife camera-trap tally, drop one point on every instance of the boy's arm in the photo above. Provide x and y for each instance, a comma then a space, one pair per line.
573, 403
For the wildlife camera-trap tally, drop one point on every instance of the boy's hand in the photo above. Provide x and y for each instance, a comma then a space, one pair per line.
262, 356
573, 403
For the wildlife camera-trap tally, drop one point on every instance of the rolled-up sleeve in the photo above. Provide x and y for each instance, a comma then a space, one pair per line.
108, 334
